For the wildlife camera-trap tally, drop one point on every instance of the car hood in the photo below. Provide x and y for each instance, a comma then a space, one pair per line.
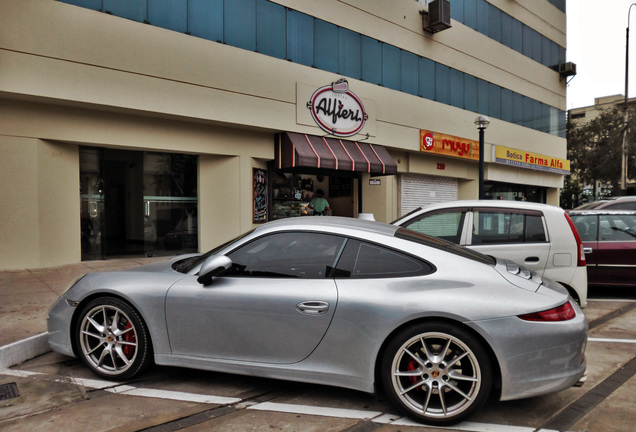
160, 266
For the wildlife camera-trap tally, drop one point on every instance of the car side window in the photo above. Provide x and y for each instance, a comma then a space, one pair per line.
621, 205
617, 228
587, 226
287, 254
442, 224
370, 261
497, 227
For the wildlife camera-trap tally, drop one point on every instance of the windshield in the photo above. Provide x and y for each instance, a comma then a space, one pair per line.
187, 264
444, 245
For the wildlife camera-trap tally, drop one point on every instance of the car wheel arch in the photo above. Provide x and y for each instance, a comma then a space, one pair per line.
75, 321
494, 361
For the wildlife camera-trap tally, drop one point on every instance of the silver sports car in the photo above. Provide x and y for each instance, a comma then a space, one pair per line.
337, 301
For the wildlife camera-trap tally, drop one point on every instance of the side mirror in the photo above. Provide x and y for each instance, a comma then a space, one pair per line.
214, 266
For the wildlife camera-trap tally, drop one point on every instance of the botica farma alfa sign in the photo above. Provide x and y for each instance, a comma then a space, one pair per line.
337, 110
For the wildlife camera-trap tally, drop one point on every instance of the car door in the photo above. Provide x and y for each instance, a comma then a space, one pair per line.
273, 305
587, 227
615, 252
514, 234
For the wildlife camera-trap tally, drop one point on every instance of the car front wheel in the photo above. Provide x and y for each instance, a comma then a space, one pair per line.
112, 339
436, 373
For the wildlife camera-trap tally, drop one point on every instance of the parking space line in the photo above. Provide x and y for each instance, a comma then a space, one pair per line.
610, 340
173, 395
314, 410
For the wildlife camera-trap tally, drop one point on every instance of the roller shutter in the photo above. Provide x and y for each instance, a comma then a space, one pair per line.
421, 190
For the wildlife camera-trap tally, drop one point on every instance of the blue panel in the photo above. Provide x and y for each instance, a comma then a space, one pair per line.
300, 38
270, 29
131, 9
169, 14
517, 108
470, 93
371, 60
517, 35
410, 73
494, 26
537, 46
483, 16
506, 30
426, 72
457, 88
495, 101
545, 51
528, 114
554, 54
538, 116
528, 41
457, 10
89, 4
350, 53
442, 83
205, 19
506, 105
470, 13
239, 23
326, 46
391, 66
483, 97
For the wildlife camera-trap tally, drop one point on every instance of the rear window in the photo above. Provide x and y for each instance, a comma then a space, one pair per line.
444, 245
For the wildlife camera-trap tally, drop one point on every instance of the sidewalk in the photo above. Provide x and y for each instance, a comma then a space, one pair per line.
25, 297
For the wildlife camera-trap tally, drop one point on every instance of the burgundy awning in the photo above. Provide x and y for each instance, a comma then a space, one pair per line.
295, 150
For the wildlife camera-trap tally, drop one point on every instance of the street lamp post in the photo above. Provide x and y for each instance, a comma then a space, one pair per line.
626, 111
482, 123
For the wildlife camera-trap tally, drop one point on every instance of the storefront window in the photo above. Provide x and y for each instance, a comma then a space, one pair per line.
137, 203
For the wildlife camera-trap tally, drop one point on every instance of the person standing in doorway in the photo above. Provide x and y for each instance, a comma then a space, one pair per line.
319, 204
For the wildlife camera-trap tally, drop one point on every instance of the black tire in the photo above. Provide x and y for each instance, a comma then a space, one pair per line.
112, 339
436, 373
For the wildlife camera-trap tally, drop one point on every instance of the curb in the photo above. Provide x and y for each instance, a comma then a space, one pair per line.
26, 349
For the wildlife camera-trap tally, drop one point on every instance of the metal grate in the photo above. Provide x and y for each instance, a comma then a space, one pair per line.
9, 391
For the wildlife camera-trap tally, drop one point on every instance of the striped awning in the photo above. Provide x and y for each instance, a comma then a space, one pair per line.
295, 150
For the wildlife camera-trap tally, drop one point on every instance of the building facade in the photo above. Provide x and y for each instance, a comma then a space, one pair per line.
145, 127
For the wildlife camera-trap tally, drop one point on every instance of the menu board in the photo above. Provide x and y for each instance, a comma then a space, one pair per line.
259, 181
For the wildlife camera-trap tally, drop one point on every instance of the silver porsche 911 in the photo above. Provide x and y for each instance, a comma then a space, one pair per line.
336, 301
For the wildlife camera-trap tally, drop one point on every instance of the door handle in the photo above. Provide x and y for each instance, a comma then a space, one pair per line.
314, 307
588, 250
532, 259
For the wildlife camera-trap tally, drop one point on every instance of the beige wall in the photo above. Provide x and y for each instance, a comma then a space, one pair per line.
40, 203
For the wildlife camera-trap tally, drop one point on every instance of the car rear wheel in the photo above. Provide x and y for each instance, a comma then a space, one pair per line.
112, 339
436, 373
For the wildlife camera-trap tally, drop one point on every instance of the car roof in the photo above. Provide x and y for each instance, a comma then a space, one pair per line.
524, 205
604, 202
329, 223
601, 211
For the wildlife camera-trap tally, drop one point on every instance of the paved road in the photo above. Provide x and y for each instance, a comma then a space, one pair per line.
53, 392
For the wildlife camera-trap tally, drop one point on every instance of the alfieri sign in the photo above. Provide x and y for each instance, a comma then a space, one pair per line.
336, 110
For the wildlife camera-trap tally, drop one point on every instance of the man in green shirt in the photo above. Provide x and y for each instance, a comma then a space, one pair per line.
319, 203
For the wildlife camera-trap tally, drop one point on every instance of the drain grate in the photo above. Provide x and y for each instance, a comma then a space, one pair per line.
9, 391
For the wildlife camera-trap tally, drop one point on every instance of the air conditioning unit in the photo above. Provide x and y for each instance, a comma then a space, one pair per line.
438, 16
567, 69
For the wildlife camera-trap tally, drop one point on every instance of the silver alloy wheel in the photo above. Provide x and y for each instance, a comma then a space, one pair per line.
108, 339
436, 375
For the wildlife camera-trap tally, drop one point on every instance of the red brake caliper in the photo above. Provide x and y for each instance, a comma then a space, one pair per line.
411, 367
129, 337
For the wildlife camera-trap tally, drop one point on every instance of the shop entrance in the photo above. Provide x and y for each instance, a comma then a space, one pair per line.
137, 203
292, 194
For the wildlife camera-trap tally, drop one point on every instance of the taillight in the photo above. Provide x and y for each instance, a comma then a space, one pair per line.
580, 255
564, 312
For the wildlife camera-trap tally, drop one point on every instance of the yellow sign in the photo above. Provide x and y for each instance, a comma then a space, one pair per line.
524, 159
446, 145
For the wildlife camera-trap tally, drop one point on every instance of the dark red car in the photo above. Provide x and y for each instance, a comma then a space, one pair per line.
609, 241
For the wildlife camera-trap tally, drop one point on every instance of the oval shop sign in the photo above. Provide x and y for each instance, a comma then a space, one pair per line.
337, 110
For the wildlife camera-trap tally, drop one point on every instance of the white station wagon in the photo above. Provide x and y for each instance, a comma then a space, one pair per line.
540, 237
